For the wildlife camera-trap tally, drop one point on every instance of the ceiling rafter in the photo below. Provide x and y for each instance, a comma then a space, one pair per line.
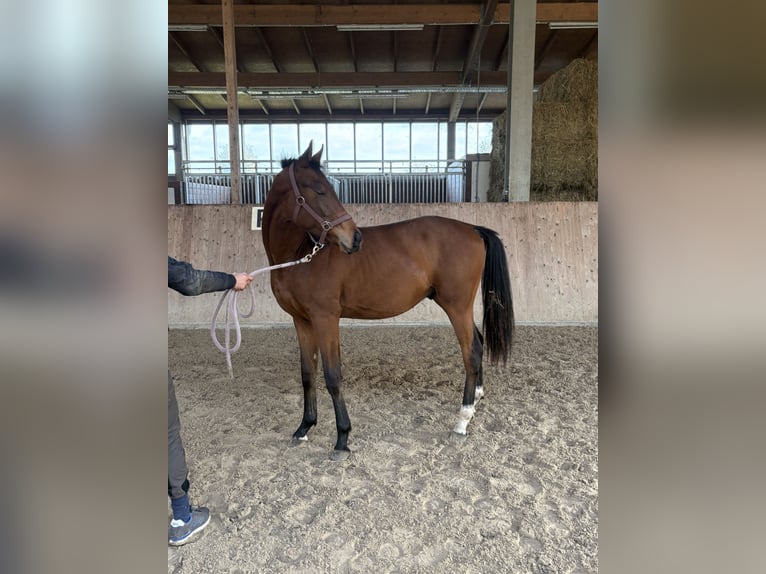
396, 50
197, 104
586, 50
333, 15
353, 50
310, 80
310, 49
194, 101
539, 57
315, 63
270, 54
473, 59
503, 58
218, 35
481, 103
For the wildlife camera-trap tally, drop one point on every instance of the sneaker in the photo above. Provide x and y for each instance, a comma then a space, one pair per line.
181, 532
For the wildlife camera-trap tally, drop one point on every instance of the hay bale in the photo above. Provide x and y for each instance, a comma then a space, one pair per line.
564, 138
577, 83
564, 152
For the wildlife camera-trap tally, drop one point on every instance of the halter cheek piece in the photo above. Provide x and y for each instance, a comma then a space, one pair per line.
301, 202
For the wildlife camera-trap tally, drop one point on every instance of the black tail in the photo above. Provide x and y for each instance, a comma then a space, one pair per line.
496, 297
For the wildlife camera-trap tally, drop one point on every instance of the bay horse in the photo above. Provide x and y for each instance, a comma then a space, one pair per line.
375, 273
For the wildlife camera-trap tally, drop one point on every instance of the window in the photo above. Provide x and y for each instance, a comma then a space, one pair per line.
369, 147
222, 148
171, 150
340, 146
256, 147
284, 141
313, 133
425, 145
350, 147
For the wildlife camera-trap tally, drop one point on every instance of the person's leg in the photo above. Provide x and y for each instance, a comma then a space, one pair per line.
178, 483
187, 521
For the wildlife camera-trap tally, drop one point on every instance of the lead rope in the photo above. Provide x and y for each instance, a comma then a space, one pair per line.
233, 313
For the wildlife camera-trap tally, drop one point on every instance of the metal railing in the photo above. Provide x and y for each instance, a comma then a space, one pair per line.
354, 182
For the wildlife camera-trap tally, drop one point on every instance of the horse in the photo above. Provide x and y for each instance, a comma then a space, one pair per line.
375, 273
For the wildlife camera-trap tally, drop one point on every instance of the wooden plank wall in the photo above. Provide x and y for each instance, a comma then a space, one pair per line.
552, 254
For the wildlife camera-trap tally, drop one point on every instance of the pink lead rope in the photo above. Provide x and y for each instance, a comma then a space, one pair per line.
232, 310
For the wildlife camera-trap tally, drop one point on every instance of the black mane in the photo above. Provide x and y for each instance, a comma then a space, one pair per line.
312, 164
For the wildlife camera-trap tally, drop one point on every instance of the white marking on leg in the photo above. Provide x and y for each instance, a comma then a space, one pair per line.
479, 394
304, 437
465, 416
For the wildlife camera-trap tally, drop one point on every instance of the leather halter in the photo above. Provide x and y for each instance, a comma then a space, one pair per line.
301, 202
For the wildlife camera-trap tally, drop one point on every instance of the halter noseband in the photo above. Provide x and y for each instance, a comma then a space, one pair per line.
301, 202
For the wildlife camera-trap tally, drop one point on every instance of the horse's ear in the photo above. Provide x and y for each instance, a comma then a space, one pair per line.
317, 158
307, 154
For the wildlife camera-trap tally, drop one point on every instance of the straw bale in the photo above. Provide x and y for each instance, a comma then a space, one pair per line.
564, 138
578, 82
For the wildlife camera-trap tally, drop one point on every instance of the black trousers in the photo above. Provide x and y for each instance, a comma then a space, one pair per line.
178, 483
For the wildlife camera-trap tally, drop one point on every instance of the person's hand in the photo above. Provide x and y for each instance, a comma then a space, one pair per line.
243, 280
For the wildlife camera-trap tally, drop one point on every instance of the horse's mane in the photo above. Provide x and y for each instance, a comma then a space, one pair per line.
312, 164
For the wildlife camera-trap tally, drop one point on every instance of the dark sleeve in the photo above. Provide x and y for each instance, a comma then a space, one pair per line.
187, 280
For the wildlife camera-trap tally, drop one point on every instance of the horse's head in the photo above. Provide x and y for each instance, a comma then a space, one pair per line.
317, 209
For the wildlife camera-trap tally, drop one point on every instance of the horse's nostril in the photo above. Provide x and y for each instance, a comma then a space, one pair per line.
357, 238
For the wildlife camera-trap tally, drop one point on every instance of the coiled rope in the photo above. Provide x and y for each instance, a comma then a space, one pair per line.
233, 313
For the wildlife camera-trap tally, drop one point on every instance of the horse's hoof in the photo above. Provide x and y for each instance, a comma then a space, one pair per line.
298, 441
458, 438
340, 455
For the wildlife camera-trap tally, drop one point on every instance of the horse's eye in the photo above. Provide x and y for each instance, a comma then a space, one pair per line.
318, 188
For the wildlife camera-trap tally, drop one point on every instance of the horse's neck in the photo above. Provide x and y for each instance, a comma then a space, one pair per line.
283, 240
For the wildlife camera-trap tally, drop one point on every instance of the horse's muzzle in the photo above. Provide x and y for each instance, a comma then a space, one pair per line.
356, 243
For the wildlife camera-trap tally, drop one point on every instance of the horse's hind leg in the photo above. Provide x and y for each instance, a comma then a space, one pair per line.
474, 388
472, 349
308, 347
478, 337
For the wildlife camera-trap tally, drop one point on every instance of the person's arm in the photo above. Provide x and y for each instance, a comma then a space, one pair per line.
187, 280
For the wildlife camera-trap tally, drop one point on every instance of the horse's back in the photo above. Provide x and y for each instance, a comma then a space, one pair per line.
402, 263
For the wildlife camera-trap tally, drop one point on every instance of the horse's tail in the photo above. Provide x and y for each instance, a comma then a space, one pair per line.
496, 297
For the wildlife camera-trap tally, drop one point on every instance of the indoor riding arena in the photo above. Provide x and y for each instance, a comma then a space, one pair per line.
519, 491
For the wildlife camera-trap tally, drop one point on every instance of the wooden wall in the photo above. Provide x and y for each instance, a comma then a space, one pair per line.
552, 254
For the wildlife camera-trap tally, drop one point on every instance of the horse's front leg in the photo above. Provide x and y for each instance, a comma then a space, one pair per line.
308, 347
328, 334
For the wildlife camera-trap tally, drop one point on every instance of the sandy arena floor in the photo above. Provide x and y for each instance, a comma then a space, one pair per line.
519, 494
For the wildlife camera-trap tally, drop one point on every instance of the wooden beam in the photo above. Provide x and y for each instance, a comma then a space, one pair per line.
546, 46
270, 54
185, 52
437, 49
472, 60
327, 103
218, 35
481, 103
503, 59
232, 102
196, 103
586, 50
333, 15
457, 104
310, 49
260, 103
352, 47
174, 113
477, 41
330, 80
